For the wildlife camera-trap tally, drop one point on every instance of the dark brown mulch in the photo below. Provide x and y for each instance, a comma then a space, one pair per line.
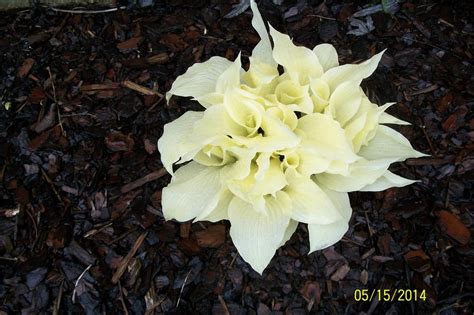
80, 221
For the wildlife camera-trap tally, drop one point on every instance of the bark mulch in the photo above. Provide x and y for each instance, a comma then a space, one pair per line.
81, 229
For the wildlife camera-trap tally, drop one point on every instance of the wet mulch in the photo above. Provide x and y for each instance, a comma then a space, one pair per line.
81, 229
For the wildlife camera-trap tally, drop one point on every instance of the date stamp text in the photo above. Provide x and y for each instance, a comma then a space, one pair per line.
389, 295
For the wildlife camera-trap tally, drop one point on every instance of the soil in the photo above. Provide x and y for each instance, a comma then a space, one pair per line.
81, 228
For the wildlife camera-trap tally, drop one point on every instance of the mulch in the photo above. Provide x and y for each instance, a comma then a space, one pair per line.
81, 228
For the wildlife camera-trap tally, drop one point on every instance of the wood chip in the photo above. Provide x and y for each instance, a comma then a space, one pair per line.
451, 225
117, 141
129, 44
184, 229
150, 146
340, 273
142, 181
70, 190
368, 253
428, 89
381, 259
158, 59
39, 140
25, 67
213, 236
430, 161
99, 87
126, 260
364, 277
140, 89
417, 260
46, 121
311, 292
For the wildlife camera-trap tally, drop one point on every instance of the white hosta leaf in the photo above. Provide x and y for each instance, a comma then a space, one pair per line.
327, 56
230, 78
356, 73
290, 93
257, 235
284, 114
325, 137
246, 112
354, 128
263, 164
300, 62
174, 142
200, 79
311, 163
362, 128
253, 190
260, 74
323, 236
291, 160
389, 144
345, 102
340, 200
241, 166
290, 230
216, 154
361, 173
310, 204
263, 50
276, 136
263, 68
388, 180
320, 93
195, 189
215, 124
389, 119
338, 167
220, 212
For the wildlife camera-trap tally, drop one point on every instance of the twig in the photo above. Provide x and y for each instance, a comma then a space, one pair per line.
95, 231
79, 114
232, 262
182, 288
322, 17
155, 305
368, 224
121, 237
428, 89
125, 310
88, 11
55, 100
141, 89
77, 283
142, 181
35, 228
156, 103
8, 258
224, 305
427, 137
2, 172
51, 184
57, 303
121, 269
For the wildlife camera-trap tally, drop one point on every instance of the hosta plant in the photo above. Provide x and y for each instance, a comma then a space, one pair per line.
276, 147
